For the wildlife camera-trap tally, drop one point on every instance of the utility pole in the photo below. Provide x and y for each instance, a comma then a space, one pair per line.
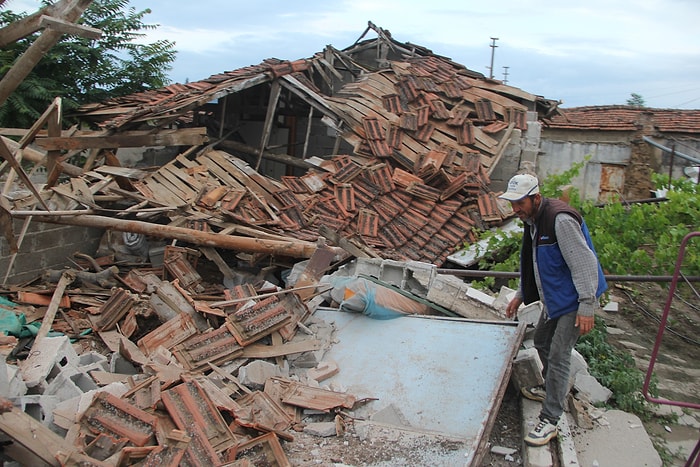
493, 51
505, 74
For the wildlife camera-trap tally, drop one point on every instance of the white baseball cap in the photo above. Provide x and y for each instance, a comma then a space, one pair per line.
520, 186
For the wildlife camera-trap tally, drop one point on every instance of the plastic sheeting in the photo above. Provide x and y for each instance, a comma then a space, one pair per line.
358, 295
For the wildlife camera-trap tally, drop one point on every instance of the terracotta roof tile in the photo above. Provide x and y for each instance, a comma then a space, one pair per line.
626, 118
394, 136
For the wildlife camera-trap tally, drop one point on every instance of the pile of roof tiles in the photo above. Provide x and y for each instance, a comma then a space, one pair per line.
163, 390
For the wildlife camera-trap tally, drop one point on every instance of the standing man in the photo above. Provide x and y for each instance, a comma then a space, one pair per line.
559, 267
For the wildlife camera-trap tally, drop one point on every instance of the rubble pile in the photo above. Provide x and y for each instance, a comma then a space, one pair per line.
143, 372
162, 364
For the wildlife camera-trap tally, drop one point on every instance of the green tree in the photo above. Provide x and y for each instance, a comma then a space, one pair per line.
636, 100
81, 70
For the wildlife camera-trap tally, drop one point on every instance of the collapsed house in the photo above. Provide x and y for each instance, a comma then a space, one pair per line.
383, 152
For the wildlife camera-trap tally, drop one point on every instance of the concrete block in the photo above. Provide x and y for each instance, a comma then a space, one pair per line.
70, 383
505, 295
39, 407
4, 377
367, 266
322, 429
622, 442
119, 364
307, 359
92, 361
256, 373
578, 410
528, 343
480, 296
566, 446
530, 314
69, 411
503, 451
15, 384
446, 290
527, 369
591, 389
390, 415
47, 359
392, 272
578, 365
419, 277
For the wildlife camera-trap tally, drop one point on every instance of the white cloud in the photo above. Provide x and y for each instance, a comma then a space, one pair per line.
600, 49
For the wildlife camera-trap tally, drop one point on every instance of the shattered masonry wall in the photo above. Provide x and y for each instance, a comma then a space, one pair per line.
45, 246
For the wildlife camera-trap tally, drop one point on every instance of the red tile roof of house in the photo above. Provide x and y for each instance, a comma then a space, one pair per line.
626, 118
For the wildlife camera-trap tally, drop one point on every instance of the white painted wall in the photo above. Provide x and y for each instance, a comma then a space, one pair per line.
559, 156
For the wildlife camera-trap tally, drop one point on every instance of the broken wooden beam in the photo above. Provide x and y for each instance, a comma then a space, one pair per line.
66, 279
67, 27
182, 137
293, 248
38, 157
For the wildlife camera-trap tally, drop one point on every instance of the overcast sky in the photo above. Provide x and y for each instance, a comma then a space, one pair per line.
596, 52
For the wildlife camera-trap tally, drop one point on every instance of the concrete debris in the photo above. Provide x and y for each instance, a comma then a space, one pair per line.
503, 451
590, 388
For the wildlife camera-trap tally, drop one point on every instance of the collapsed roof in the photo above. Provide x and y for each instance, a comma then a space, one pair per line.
387, 148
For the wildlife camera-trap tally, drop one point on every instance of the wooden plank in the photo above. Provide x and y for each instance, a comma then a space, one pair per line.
268, 185
499, 102
271, 351
68, 27
186, 162
187, 192
181, 137
382, 84
126, 172
243, 178
66, 279
269, 118
33, 443
318, 264
192, 182
502, 145
174, 188
154, 191
368, 107
6, 154
218, 171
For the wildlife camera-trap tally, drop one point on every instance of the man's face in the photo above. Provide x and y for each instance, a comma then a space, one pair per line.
527, 207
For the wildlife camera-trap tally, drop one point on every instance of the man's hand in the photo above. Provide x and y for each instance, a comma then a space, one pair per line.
512, 307
585, 323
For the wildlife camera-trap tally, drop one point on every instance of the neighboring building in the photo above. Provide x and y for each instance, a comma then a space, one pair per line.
625, 145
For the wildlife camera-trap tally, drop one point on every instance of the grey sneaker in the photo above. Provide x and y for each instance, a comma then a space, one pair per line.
543, 433
534, 393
